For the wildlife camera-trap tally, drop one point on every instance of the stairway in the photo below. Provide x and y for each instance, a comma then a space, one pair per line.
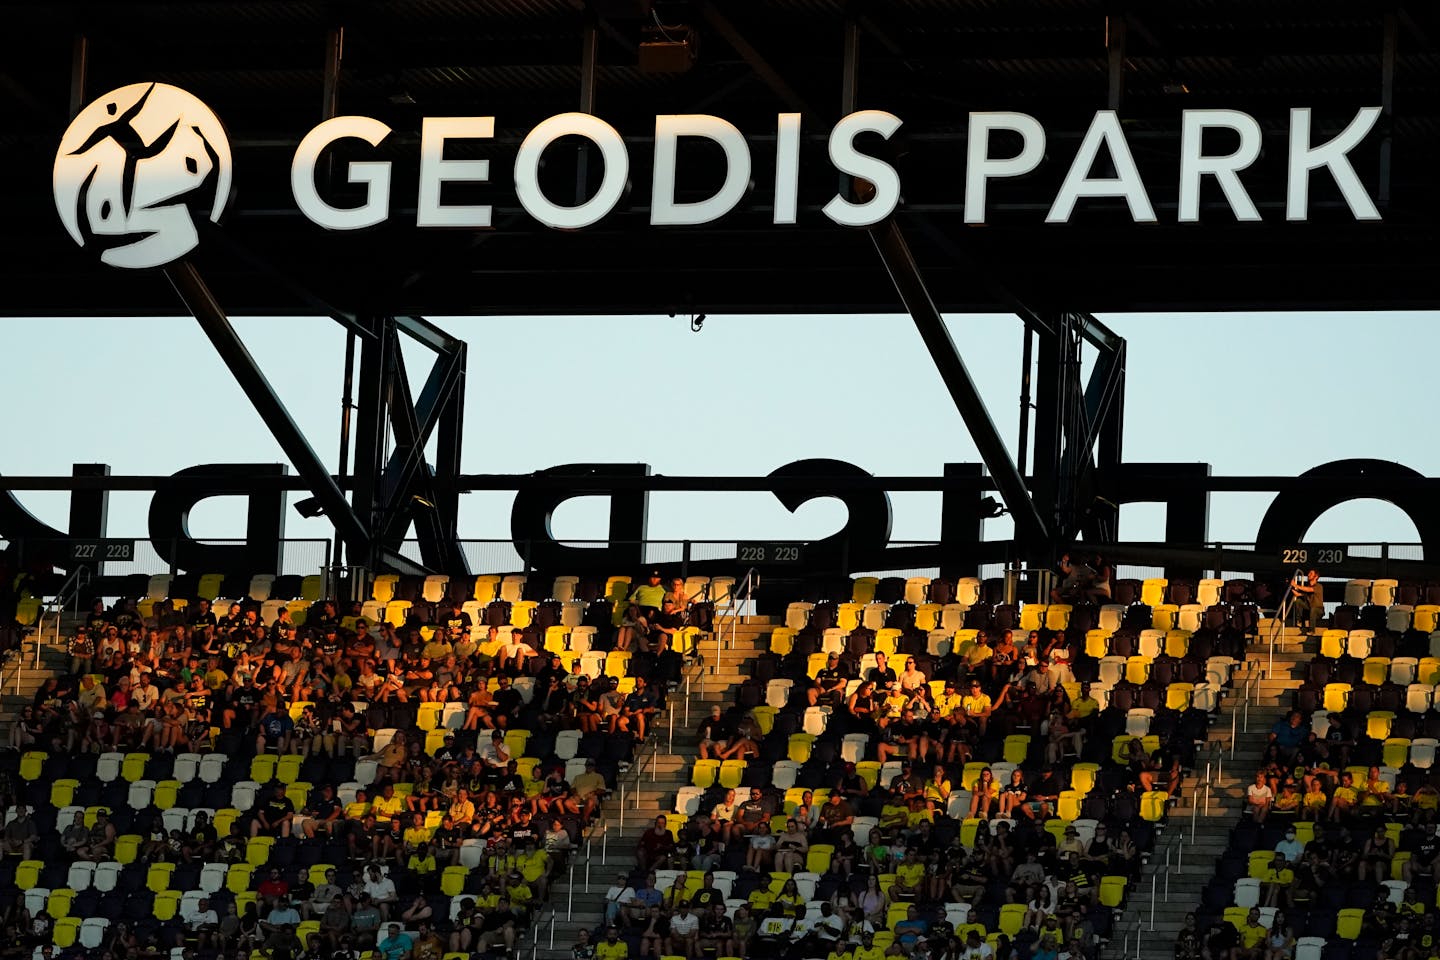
21, 678
1198, 830
648, 789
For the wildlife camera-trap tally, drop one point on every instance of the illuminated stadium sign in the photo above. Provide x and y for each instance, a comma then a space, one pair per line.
135, 161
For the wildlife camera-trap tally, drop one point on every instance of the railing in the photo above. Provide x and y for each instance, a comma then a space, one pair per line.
1277, 625
741, 594
69, 592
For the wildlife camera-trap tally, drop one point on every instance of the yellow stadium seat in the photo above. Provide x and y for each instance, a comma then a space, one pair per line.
157, 878
133, 767
1097, 643
452, 881
1068, 806
869, 771
1177, 644
1137, 670
968, 828
799, 747
297, 709
127, 847
1332, 644
1396, 752
165, 795
27, 874
1349, 922
970, 773
1377, 724
847, 616
1152, 805
1236, 916
556, 638
396, 612
427, 715
237, 878
1304, 831
817, 859
67, 930
1427, 617
224, 817
257, 851
1112, 891
306, 930
262, 768
1177, 696
1057, 616
896, 913
522, 613
62, 794
704, 773
1012, 918
1337, 696
1152, 591
487, 588
1259, 863
1056, 828
863, 591
764, 718
1017, 747
1083, 776
927, 616
1428, 671
731, 773
1397, 864
887, 640
58, 903
1376, 670
1164, 617
673, 823
32, 764
1032, 617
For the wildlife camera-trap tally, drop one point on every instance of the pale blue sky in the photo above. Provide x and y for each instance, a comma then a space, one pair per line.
150, 396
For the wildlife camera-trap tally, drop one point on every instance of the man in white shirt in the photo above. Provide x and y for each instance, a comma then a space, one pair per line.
1290, 848
975, 948
203, 922
684, 928
381, 889
619, 894
144, 693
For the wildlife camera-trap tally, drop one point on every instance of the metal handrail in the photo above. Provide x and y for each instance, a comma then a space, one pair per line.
1277, 626
69, 589
741, 593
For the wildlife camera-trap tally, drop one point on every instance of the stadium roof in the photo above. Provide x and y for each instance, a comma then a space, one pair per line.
261, 67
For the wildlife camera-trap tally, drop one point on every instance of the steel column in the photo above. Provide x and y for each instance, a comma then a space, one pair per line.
1030, 528
212, 319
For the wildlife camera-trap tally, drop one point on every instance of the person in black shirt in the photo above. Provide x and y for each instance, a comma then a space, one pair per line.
829, 683
1222, 941
97, 621
707, 896
322, 812
713, 732
274, 816
881, 675
1187, 941
453, 620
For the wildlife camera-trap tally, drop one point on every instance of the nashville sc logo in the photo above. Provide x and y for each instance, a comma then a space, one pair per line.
135, 168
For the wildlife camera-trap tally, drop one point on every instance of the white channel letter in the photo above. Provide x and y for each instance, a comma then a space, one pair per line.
612, 186
787, 167
1194, 164
1104, 130
1331, 154
374, 174
435, 171
669, 128
848, 160
980, 167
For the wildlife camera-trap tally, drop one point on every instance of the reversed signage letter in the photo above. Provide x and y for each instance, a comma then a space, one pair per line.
787, 167
374, 174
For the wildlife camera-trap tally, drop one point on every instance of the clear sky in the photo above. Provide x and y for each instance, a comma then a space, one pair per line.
1251, 394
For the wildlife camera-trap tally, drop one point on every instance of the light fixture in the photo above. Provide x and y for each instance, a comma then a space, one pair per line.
309, 508
989, 508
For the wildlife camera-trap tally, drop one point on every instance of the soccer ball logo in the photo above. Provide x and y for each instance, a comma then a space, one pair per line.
135, 168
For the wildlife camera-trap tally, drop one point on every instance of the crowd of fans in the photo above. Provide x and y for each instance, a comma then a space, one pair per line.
849, 865
347, 867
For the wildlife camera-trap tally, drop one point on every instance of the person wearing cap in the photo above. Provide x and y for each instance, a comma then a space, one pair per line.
712, 733
976, 705
590, 789
829, 683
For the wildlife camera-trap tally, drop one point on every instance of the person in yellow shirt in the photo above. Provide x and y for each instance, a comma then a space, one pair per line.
416, 833
867, 949
976, 706
841, 951
422, 863
387, 806
1344, 798
1252, 935
358, 808
909, 875
462, 809
1275, 880
1312, 804
612, 947
936, 792
535, 868
1376, 792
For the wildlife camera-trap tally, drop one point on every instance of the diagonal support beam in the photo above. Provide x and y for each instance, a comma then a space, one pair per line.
212, 319
905, 273
762, 67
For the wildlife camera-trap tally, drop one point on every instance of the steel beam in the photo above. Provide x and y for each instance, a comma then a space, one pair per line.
762, 67
890, 243
212, 319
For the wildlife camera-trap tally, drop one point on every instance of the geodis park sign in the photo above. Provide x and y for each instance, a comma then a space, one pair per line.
139, 163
